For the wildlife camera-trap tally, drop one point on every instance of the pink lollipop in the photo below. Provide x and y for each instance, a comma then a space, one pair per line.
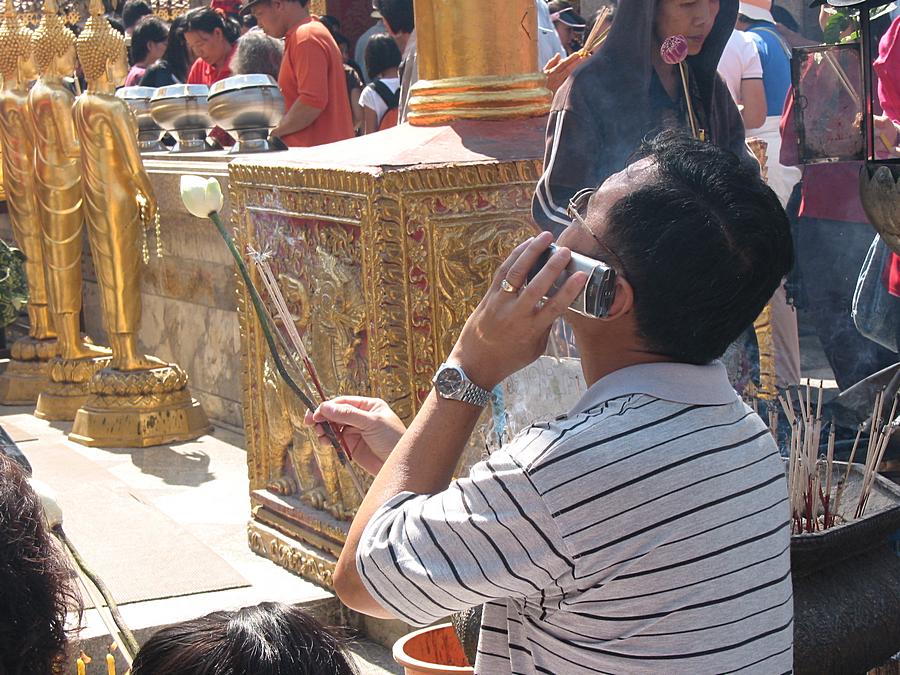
674, 49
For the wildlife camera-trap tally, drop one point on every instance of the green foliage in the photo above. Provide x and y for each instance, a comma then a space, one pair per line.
13, 289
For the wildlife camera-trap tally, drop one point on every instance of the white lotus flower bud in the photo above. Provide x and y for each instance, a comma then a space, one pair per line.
201, 196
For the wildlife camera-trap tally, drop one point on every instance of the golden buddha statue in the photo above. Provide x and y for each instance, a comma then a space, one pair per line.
26, 373
137, 400
114, 181
58, 187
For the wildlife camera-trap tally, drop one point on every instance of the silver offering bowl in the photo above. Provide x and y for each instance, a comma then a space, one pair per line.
181, 109
248, 107
879, 188
149, 132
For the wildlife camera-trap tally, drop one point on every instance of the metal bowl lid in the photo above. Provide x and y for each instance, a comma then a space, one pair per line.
181, 91
242, 82
132, 93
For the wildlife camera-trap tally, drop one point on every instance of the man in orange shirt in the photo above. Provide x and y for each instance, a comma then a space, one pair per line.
311, 77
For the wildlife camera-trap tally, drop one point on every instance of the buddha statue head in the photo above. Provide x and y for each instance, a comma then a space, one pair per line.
53, 44
16, 56
101, 51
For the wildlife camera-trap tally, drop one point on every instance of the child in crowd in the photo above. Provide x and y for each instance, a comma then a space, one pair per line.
380, 98
268, 639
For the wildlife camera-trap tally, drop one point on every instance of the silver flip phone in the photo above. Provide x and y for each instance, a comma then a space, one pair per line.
596, 297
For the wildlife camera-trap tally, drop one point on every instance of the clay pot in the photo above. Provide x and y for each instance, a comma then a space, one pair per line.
432, 651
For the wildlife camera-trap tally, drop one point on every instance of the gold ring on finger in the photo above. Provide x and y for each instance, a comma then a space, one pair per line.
507, 287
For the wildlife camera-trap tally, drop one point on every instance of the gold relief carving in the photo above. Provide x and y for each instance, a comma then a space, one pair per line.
380, 270
466, 260
766, 343
324, 295
287, 555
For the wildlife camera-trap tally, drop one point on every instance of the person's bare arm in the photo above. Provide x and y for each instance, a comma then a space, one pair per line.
296, 119
753, 98
370, 120
503, 334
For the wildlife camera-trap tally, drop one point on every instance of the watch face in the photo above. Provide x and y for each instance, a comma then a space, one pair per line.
448, 381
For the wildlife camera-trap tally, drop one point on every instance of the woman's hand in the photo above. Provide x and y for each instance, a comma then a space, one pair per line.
508, 330
369, 426
558, 69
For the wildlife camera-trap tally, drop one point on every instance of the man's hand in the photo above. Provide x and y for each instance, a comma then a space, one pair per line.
369, 426
508, 330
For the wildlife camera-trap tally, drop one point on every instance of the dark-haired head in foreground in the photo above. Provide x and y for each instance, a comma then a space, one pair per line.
700, 243
36, 584
267, 639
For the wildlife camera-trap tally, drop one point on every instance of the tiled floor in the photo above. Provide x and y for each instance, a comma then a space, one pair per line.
200, 486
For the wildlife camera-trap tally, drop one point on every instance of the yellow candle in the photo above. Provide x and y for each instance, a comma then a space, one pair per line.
80, 663
110, 664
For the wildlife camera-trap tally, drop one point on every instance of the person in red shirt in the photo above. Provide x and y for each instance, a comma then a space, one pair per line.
317, 108
213, 37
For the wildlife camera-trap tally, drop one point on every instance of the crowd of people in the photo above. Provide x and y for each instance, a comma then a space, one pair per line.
328, 95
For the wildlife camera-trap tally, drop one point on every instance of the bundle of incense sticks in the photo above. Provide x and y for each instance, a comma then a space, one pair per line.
814, 505
284, 314
595, 38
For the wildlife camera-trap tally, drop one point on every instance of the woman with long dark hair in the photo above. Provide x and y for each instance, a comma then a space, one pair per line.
172, 68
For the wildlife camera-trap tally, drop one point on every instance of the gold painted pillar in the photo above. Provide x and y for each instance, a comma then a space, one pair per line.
477, 60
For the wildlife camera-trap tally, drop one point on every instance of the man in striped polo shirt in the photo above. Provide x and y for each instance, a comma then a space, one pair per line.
645, 531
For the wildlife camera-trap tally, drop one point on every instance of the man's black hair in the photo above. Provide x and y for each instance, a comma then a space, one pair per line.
382, 53
148, 29
398, 14
704, 244
133, 11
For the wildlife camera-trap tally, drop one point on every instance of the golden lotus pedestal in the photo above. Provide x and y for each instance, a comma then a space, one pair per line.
68, 388
382, 246
137, 409
28, 372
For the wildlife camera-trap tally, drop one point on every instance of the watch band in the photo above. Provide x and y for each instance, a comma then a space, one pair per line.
475, 395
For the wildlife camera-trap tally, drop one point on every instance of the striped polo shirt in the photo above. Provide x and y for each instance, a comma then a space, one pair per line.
647, 531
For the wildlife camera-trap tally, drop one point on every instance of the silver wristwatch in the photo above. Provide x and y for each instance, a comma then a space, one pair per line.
451, 382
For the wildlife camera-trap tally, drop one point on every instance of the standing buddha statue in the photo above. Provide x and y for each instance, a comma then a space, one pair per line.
137, 400
58, 187
26, 374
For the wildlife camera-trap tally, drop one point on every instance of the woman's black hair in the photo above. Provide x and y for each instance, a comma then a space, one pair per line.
176, 55
148, 29
268, 639
38, 587
382, 53
206, 20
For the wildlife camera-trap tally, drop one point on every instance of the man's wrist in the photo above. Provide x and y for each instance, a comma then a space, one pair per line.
479, 373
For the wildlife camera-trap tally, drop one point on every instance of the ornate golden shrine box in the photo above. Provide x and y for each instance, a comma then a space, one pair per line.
382, 246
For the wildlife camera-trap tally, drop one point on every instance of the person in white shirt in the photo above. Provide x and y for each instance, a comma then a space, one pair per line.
549, 43
741, 69
381, 95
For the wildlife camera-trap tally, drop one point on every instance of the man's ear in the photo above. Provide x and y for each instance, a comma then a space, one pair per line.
623, 300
